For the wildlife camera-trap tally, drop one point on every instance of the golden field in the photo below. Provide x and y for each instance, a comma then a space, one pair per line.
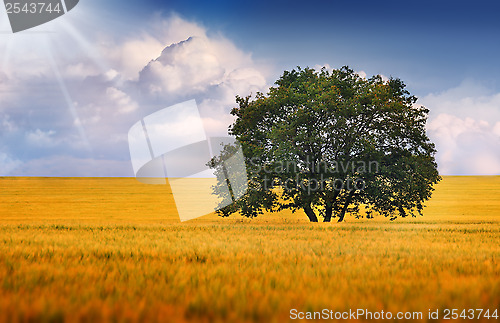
113, 249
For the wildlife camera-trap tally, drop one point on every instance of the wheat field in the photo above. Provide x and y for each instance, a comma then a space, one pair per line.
113, 249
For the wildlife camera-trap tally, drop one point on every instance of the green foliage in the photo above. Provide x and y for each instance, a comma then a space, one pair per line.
329, 142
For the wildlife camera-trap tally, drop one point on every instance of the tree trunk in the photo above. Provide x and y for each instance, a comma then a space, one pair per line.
346, 205
328, 212
402, 211
310, 213
330, 206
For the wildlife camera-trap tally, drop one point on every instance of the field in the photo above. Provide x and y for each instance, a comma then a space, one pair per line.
101, 249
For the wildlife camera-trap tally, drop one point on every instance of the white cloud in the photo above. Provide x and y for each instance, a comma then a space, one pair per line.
496, 129
319, 67
130, 56
8, 163
362, 74
41, 138
4, 80
464, 123
465, 146
196, 64
175, 29
121, 100
469, 99
210, 69
108, 86
81, 70
182, 67
8, 124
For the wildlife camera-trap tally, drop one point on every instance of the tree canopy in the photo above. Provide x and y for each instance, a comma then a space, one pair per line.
332, 143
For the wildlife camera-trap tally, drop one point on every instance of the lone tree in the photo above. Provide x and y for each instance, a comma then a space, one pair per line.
331, 143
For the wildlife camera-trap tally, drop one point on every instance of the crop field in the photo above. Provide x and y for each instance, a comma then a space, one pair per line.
113, 249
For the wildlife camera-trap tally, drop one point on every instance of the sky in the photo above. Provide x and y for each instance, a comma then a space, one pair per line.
71, 89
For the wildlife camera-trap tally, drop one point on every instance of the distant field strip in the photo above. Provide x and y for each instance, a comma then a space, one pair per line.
125, 200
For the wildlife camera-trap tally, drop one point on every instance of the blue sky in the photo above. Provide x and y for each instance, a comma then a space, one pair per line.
430, 44
71, 89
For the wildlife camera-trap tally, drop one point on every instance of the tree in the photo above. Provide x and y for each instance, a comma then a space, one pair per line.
330, 143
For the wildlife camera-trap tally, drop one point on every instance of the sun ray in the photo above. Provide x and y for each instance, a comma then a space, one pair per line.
67, 98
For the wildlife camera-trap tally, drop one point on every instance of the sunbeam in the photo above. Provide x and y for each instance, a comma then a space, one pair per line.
67, 98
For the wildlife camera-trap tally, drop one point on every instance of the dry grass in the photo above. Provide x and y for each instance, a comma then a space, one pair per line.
114, 250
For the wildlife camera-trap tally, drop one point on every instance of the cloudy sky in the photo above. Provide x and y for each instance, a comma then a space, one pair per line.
71, 89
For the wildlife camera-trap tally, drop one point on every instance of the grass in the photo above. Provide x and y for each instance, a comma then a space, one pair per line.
114, 250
